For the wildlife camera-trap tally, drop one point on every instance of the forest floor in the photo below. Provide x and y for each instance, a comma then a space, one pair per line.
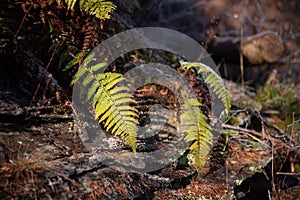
43, 156
256, 156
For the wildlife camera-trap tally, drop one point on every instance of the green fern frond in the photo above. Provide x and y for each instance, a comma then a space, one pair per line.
212, 79
99, 8
81, 3
110, 101
198, 131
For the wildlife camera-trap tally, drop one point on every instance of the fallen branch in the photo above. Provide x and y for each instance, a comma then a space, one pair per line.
270, 138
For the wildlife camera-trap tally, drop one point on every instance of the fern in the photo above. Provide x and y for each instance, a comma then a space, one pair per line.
99, 8
212, 79
198, 131
110, 109
109, 101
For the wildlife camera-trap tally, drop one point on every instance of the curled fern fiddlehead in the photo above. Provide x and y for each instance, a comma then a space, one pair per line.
110, 102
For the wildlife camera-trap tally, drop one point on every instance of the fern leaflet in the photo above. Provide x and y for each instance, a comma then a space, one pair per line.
99, 8
212, 79
198, 131
110, 101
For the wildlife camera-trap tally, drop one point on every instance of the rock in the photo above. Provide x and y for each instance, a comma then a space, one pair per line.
262, 47
9, 110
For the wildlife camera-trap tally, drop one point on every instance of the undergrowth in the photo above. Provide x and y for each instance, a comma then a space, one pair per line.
281, 102
111, 104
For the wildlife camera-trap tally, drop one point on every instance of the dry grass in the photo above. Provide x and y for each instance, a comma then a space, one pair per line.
22, 177
31, 177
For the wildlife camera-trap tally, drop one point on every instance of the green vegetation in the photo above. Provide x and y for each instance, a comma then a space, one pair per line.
281, 102
99, 8
109, 101
112, 107
198, 131
213, 80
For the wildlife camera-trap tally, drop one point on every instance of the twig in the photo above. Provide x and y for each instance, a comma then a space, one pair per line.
242, 61
294, 122
210, 33
288, 173
39, 85
241, 43
23, 20
277, 141
272, 181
